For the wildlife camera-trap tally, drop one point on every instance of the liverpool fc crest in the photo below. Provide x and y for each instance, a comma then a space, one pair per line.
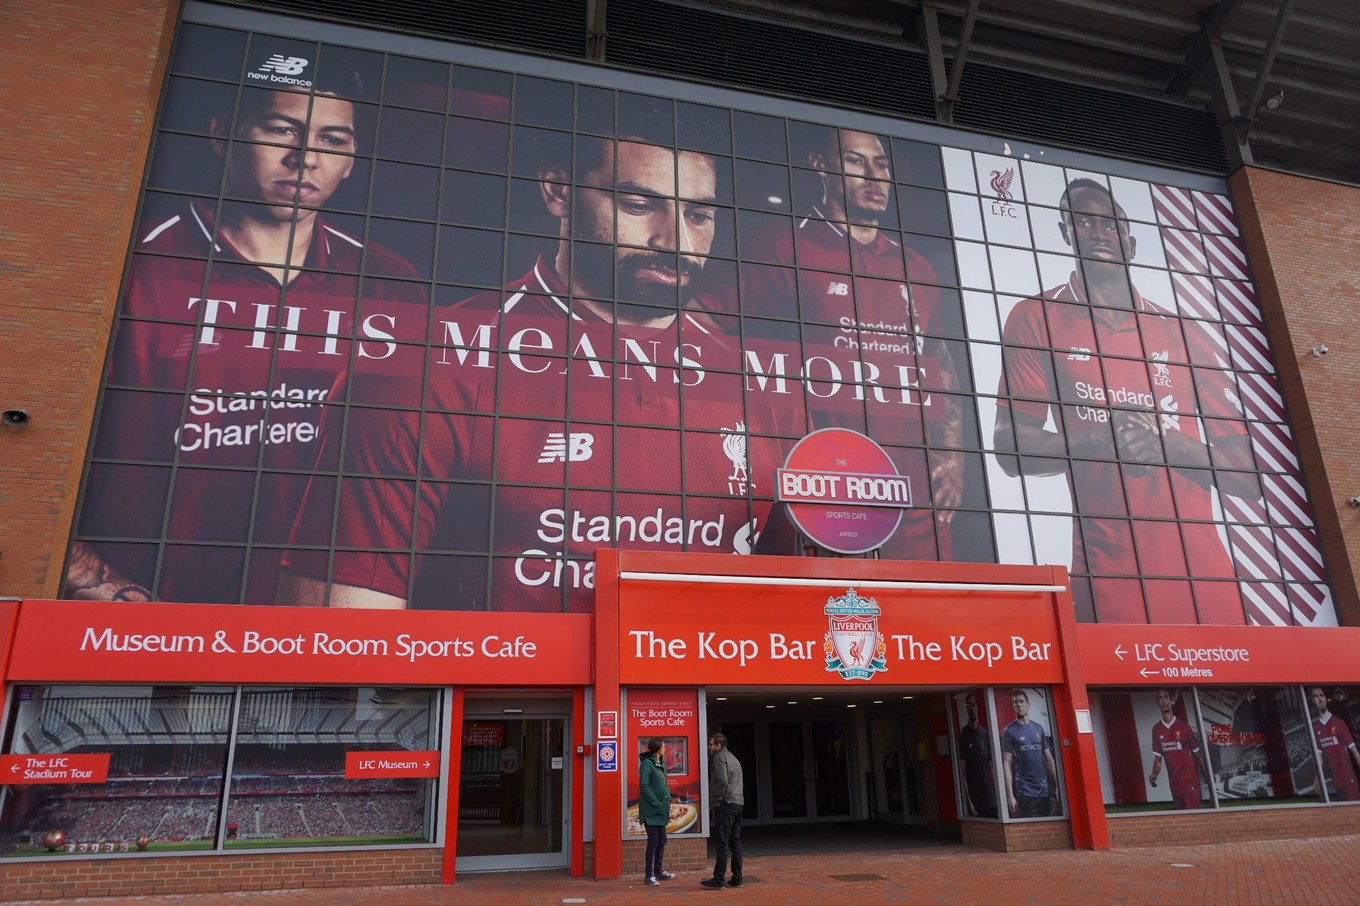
854, 647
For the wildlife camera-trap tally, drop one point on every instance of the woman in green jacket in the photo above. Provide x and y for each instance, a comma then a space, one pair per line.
654, 808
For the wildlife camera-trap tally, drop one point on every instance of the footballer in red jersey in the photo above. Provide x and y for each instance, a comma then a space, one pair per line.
237, 325
613, 470
1336, 745
882, 311
1106, 368
1175, 745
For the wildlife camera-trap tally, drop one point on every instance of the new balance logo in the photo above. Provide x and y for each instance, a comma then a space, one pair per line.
1079, 354
838, 289
567, 447
284, 65
281, 70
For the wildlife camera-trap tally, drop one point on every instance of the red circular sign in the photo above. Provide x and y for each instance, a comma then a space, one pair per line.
843, 491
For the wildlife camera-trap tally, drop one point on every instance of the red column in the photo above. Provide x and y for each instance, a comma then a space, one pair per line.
1081, 772
608, 785
453, 744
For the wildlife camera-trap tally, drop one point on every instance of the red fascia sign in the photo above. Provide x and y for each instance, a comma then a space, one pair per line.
75, 641
364, 765
709, 632
24, 769
1214, 655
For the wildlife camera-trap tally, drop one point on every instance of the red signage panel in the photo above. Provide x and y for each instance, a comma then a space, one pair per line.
73, 641
710, 632
23, 769
363, 765
1121, 654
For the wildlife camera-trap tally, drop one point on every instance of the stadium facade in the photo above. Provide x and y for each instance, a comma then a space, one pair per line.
401, 430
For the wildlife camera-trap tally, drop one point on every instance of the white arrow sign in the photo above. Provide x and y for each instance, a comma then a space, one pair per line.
1119, 651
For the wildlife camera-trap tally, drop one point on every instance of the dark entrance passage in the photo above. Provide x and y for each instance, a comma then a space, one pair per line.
832, 768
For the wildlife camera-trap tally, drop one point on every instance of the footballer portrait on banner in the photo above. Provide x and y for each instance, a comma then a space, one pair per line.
246, 296
581, 405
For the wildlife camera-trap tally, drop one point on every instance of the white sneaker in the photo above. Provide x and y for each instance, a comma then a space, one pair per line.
667, 876
653, 882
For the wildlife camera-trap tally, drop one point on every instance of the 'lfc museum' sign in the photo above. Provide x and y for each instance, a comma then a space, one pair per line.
843, 491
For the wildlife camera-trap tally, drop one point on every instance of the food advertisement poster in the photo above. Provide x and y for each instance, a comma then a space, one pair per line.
671, 715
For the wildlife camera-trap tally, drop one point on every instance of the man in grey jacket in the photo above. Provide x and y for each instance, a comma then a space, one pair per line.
726, 789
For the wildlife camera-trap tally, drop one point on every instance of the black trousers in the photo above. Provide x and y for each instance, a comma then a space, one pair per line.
656, 849
727, 831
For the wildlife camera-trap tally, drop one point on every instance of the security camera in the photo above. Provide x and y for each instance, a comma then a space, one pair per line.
1319, 350
14, 418
1354, 501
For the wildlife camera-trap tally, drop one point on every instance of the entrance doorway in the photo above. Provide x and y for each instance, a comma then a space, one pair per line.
512, 787
835, 756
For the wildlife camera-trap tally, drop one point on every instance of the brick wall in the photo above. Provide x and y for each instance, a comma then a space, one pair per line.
130, 876
1231, 825
1304, 248
682, 854
82, 79
1017, 838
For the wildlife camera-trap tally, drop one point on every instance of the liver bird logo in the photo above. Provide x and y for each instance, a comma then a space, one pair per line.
1001, 183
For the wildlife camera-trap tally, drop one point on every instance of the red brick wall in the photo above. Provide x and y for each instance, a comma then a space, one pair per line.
682, 854
1232, 825
1304, 248
82, 79
128, 876
1017, 838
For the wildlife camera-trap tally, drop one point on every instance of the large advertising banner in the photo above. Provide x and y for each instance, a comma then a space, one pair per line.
672, 716
405, 332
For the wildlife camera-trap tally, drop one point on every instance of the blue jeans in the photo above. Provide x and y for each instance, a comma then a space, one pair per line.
727, 834
656, 847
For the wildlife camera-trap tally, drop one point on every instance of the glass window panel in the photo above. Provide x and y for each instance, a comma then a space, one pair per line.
1029, 768
594, 110
416, 83
451, 583
759, 136
288, 772
124, 501
1259, 745
917, 163
411, 135
167, 750
185, 163
649, 119
476, 145
1150, 750
348, 72
703, 128
481, 93
413, 242
192, 105
761, 186
200, 574
543, 102
233, 493
974, 751
405, 190
213, 53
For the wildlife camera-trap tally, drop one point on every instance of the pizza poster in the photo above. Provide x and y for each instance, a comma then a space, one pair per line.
671, 715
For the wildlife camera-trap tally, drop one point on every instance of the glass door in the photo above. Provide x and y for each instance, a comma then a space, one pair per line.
512, 786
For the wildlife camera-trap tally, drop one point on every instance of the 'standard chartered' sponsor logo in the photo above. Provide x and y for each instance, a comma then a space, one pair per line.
281, 70
854, 647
